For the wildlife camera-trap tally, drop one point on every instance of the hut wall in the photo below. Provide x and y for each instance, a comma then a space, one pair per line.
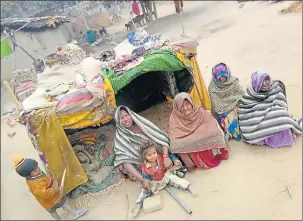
38, 44
68, 31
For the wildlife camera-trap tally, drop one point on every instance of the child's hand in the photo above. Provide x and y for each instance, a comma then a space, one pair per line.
177, 163
61, 189
145, 184
168, 163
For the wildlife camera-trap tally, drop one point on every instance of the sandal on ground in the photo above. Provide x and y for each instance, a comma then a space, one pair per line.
174, 172
180, 174
182, 169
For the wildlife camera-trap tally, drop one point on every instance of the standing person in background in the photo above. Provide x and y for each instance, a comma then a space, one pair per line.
178, 6
136, 8
103, 32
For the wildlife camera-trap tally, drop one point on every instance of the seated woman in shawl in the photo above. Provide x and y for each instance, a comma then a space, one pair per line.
131, 131
225, 93
263, 114
195, 134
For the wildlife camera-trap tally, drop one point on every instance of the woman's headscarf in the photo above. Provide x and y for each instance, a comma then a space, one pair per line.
257, 79
220, 70
195, 132
224, 96
127, 144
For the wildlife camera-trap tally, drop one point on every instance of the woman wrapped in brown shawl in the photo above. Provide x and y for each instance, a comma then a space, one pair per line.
195, 134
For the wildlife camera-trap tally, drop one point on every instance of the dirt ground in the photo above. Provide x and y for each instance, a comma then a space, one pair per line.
251, 184
294, 7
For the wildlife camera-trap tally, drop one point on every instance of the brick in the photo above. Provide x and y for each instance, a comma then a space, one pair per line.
152, 204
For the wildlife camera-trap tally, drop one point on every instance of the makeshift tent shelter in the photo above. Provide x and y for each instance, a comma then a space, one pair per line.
160, 75
70, 100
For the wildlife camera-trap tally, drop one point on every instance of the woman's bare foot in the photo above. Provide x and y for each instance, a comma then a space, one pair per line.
191, 169
193, 192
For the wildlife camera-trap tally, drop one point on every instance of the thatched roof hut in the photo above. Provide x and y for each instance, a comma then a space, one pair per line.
34, 24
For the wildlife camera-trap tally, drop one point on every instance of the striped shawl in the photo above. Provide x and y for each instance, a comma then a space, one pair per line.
262, 115
127, 144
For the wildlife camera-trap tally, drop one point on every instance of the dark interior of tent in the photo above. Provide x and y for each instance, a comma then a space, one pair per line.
152, 87
149, 89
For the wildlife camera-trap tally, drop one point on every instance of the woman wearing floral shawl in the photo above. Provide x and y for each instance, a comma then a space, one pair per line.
195, 134
225, 93
263, 114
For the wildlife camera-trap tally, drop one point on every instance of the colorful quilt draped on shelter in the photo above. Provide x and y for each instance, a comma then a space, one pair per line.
155, 60
56, 148
199, 91
95, 116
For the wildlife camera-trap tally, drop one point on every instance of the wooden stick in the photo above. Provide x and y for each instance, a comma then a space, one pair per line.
10, 90
196, 85
150, 13
181, 18
155, 10
178, 200
63, 178
144, 11
289, 190
17, 44
127, 200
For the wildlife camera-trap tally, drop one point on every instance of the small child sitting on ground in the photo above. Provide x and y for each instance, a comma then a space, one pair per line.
44, 188
153, 169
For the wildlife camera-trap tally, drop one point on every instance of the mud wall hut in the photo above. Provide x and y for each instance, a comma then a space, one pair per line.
38, 37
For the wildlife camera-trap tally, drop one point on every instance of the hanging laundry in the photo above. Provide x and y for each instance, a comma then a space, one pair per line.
6, 49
